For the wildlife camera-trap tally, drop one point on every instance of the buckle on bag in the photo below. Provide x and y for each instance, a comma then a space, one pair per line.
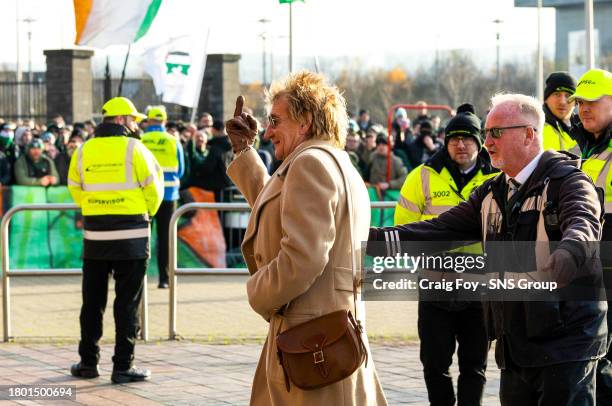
318, 357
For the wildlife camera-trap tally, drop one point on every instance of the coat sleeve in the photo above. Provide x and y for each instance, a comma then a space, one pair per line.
308, 203
53, 170
456, 226
150, 176
21, 174
579, 214
249, 174
411, 202
74, 178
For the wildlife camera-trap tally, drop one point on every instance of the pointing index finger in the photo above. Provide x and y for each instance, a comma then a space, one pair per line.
239, 104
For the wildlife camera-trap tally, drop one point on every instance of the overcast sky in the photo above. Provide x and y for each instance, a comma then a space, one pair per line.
366, 28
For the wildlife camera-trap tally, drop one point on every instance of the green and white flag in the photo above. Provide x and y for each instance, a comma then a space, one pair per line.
176, 68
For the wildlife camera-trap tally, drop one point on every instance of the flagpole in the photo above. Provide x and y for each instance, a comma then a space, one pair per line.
291, 37
196, 101
127, 55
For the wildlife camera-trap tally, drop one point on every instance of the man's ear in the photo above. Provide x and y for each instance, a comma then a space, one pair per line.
305, 126
531, 135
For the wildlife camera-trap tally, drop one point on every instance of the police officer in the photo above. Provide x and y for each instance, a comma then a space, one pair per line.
169, 153
558, 109
594, 135
444, 181
119, 185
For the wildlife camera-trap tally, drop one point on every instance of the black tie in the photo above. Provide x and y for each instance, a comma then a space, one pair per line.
513, 186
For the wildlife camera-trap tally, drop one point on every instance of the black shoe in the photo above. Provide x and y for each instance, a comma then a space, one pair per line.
131, 375
81, 370
163, 285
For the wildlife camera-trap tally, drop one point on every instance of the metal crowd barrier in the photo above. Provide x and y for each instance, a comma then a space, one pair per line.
174, 271
7, 273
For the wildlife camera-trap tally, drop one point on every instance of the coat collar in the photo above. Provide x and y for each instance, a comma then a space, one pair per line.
284, 167
275, 184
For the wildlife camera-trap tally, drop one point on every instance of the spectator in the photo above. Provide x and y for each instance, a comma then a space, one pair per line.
352, 148
368, 147
62, 160
5, 170
23, 136
401, 125
195, 154
34, 168
423, 112
214, 167
378, 167
90, 127
58, 120
49, 148
424, 146
364, 120
7, 147
205, 121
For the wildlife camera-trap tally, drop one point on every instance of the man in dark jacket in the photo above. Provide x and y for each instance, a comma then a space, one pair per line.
547, 350
214, 167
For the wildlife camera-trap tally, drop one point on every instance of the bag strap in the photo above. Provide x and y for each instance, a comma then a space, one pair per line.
349, 203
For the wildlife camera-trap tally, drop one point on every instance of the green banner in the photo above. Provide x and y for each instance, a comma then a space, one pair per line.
54, 239
288, 1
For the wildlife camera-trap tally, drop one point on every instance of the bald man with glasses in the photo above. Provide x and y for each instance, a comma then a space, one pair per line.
547, 350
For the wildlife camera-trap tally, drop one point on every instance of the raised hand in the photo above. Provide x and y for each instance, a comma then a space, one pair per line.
242, 129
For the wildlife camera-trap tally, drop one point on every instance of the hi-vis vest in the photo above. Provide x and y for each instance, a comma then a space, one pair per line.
168, 152
597, 167
426, 194
558, 140
118, 184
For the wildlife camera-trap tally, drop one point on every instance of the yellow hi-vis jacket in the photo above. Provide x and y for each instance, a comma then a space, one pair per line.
427, 193
597, 167
169, 153
558, 140
118, 184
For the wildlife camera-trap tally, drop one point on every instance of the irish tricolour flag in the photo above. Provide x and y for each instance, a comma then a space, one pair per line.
100, 23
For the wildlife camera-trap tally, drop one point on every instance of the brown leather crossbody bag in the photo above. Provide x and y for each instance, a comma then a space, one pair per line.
329, 348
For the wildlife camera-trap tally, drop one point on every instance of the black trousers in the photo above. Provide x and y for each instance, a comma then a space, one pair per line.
439, 330
566, 384
129, 276
162, 220
604, 365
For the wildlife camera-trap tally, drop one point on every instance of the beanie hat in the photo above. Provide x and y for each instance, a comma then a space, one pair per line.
559, 82
465, 124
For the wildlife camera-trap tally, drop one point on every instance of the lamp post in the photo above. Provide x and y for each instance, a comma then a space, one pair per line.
18, 65
497, 23
588, 29
29, 22
264, 37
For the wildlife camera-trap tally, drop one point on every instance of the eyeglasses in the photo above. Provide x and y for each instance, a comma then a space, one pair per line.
497, 132
467, 141
273, 121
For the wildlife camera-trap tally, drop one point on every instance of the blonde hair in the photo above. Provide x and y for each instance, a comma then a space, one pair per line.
310, 98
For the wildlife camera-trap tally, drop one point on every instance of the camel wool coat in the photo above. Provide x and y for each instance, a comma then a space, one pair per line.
297, 249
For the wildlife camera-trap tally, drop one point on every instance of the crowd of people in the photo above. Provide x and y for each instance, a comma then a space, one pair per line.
34, 154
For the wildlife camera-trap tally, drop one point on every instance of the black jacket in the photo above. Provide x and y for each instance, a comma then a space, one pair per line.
532, 333
213, 170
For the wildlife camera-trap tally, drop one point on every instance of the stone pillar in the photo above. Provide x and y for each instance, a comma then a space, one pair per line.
220, 87
69, 84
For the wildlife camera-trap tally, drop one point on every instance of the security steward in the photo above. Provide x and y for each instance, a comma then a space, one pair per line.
558, 110
169, 153
119, 185
594, 134
445, 180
